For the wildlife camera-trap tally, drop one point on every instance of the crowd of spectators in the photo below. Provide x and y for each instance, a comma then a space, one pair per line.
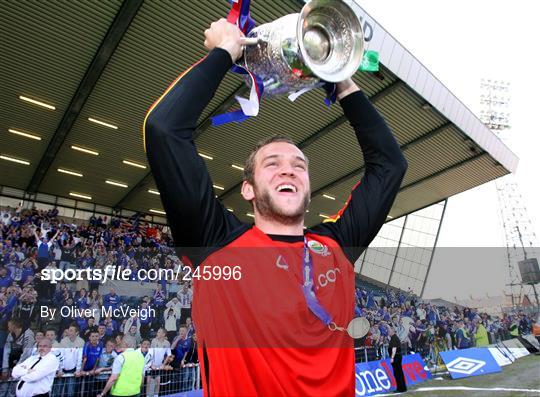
426, 328
84, 341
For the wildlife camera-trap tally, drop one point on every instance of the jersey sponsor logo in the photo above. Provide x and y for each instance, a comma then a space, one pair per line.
281, 263
465, 365
318, 248
329, 277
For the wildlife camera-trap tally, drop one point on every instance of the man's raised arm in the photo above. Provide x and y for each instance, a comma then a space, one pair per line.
384, 168
196, 218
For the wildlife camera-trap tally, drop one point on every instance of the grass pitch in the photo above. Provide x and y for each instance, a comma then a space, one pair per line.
522, 374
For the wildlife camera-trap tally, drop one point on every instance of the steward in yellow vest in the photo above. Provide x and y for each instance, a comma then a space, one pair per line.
514, 329
128, 372
481, 335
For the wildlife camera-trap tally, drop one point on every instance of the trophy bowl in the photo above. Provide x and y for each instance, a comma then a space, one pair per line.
322, 43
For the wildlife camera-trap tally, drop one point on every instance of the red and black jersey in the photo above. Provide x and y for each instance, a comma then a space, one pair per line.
256, 334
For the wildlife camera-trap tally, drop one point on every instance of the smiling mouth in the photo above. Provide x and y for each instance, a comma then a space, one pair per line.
286, 188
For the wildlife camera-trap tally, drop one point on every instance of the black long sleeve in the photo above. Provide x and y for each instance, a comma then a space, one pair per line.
196, 217
357, 224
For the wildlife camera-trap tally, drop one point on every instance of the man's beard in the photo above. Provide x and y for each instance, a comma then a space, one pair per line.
268, 209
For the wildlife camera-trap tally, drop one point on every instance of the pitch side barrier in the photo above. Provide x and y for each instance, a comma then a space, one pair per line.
376, 377
482, 360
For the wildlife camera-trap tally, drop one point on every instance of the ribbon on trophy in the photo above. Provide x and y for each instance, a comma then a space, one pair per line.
317, 48
240, 15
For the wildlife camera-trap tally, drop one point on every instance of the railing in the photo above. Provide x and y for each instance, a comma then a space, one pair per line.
162, 382
166, 382
374, 353
428, 350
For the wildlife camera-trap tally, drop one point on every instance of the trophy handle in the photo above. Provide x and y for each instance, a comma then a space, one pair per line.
250, 41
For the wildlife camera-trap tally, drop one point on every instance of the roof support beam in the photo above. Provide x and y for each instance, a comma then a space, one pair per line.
396, 254
203, 126
433, 251
118, 28
444, 170
415, 183
404, 147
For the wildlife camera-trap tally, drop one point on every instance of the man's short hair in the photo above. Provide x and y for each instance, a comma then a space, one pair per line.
16, 322
45, 340
249, 165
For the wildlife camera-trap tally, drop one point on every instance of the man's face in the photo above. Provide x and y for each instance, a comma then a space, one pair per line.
39, 336
11, 327
94, 337
281, 187
145, 345
51, 335
71, 332
109, 346
44, 346
183, 332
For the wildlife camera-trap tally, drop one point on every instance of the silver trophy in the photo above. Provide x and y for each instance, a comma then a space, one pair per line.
324, 41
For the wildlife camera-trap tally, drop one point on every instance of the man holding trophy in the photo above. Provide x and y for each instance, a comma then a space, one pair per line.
285, 327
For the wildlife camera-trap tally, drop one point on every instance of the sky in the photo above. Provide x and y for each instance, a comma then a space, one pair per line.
461, 42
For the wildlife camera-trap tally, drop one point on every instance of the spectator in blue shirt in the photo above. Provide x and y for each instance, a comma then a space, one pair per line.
180, 347
90, 357
146, 319
159, 298
5, 277
82, 322
5, 314
432, 315
28, 269
43, 248
101, 329
82, 300
111, 300
462, 336
111, 326
90, 354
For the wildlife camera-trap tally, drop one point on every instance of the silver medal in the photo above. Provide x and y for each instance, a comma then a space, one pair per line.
358, 327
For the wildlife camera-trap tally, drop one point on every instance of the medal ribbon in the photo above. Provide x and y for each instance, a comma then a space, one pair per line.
309, 292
